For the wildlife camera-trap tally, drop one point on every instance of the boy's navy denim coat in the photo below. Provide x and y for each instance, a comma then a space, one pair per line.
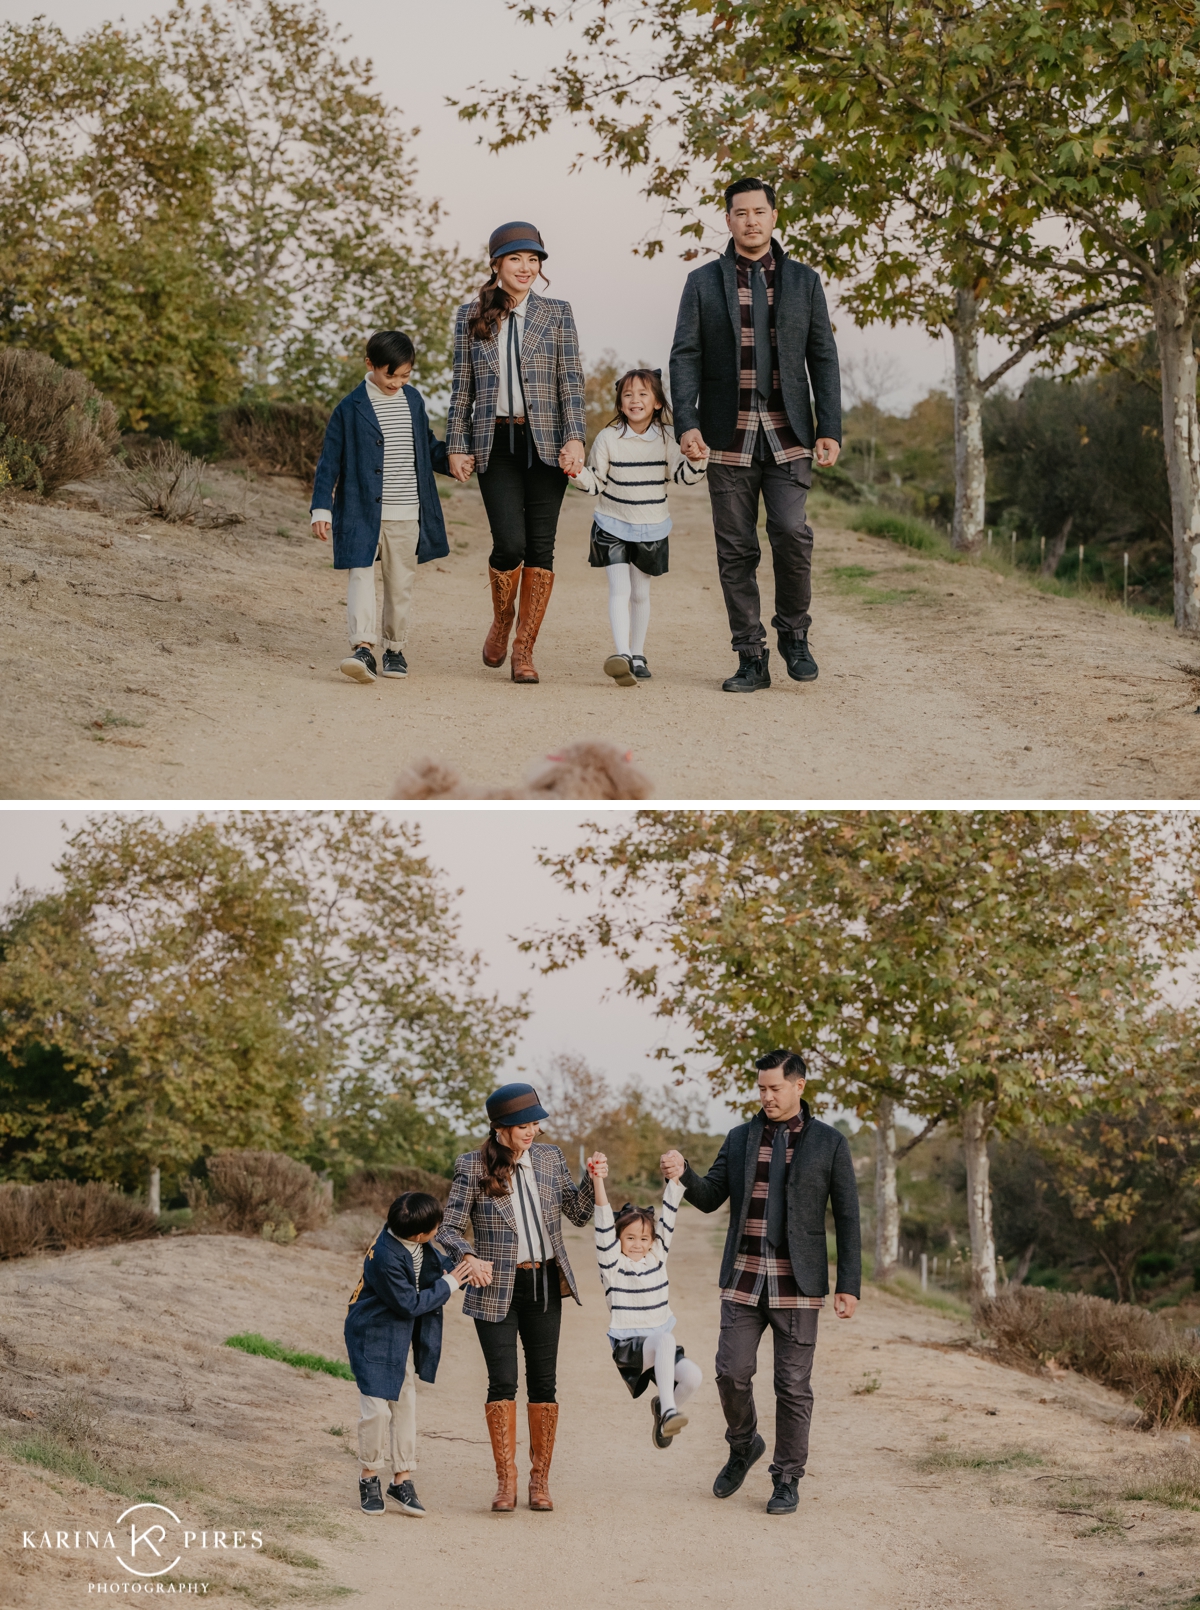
349, 481
388, 1311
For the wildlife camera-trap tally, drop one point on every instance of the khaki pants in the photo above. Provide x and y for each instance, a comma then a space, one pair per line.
398, 553
387, 1431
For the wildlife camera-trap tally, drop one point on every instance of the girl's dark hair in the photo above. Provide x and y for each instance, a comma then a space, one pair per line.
648, 377
498, 1163
630, 1214
494, 302
414, 1213
390, 349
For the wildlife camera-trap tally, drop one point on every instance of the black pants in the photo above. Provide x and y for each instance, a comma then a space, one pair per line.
538, 1328
522, 502
733, 490
794, 1333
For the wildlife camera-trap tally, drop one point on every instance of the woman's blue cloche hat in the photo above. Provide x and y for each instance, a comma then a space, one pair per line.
517, 237
514, 1104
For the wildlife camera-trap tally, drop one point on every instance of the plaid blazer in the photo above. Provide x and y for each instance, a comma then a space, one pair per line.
495, 1224
551, 378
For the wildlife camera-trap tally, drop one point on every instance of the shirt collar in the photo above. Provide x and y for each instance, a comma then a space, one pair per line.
767, 261
794, 1124
526, 1158
374, 391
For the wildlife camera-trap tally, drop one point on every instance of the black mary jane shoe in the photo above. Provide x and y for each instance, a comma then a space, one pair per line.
656, 1435
640, 669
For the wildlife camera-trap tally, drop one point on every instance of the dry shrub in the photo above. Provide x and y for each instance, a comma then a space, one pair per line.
1171, 1477
166, 481
276, 438
257, 1193
1127, 1348
375, 1189
54, 425
58, 1215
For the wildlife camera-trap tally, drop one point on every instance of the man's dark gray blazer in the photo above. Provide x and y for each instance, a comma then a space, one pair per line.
706, 354
821, 1172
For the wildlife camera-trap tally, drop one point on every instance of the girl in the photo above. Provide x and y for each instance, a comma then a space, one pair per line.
633, 1272
631, 462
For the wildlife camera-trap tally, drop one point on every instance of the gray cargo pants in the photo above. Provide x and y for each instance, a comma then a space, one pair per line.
794, 1332
733, 491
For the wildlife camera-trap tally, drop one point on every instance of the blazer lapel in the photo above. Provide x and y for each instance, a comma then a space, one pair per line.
504, 1206
543, 1172
728, 263
363, 403
491, 351
537, 319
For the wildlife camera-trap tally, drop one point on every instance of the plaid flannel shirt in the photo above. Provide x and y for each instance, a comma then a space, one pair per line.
551, 378
761, 1268
753, 413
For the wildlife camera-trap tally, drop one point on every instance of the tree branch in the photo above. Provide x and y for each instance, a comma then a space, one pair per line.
1039, 333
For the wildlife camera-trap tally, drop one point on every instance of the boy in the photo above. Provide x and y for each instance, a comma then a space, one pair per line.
375, 494
397, 1307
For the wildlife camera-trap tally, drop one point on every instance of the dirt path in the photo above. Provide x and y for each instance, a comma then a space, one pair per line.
956, 1482
146, 661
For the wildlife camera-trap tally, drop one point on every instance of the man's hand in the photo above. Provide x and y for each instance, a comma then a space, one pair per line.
462, 466
844, 1304
478, 1272
827, 452
322, 530
672, 1163
693, 447
571, 459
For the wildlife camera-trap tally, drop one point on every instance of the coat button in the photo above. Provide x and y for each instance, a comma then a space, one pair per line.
379, 500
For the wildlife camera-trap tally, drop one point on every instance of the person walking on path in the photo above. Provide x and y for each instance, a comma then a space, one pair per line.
516, 418
514, 1194
751, 323
777, 1173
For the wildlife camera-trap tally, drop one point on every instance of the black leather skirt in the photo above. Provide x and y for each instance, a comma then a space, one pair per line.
648, 557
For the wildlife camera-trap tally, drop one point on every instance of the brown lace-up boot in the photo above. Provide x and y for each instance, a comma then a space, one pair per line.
502, 1428
505, 584
535, 595
543, 1423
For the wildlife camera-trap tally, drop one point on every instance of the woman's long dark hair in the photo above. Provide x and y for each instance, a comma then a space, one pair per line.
494, 303
498, 1163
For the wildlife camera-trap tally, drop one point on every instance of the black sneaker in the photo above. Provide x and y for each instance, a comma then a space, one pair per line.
656, 1436
640, 669
801, 666
751, 674
360, 666
370, 1495
785, 1500
394, 663
405, 1495
733, 1473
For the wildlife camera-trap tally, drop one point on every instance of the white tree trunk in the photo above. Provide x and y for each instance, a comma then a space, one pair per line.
887, 1203
1173, 323
979, 1199
154, 1191
970, 469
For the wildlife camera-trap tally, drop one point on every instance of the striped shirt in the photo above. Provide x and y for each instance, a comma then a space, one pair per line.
637, 1292
629, 474
401, 500
753, 413
761, 1269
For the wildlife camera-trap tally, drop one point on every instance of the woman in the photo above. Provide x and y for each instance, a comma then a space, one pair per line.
513, 1194
516, 419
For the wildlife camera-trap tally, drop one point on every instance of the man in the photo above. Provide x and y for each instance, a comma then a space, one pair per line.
750, 322
777, 1172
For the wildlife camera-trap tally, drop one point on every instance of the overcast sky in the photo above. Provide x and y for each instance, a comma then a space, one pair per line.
426, 50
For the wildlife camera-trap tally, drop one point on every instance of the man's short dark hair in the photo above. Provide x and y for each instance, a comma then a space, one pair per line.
791, 1062
739, 187
414, 1213
390, 350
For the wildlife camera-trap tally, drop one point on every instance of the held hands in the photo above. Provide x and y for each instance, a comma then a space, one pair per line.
461, 1272
322, 530
475, 1271
693, 447
673, 1163
570, 460
462, 466
827, 456
597, 1167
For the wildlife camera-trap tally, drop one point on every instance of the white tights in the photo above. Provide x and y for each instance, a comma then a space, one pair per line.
676, 1382
628, 608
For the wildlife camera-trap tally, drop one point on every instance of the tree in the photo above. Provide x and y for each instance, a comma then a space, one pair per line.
978, 967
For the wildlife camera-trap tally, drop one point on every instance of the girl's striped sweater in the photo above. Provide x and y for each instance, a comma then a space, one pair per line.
629, 473
638, 1294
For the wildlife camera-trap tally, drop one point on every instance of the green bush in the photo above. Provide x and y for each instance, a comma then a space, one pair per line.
902, 528
276, 438
54, 425
260, 1347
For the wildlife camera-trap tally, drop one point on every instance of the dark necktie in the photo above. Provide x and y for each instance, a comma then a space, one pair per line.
777, 1189
763, 365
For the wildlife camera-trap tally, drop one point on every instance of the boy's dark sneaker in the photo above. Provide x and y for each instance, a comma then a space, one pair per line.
656, 1436
405, 1495
370, 1495
801, 666
640, 669
620, 668
394, 663
359, 666
733, 1473
751, 674
785, 1500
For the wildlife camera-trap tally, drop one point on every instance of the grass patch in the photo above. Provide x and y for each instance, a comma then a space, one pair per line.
853, 580
63, 1460
297, 1557
961, 1459
259, 1346
901, 528
870, 1383
941, 1302
1172, 1480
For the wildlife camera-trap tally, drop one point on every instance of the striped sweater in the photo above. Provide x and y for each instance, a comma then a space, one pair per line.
401, 500
629, 474
637, 1293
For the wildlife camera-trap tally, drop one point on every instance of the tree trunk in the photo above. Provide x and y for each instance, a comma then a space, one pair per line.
154, 1191
1173, 323
979, 1200
1017, 1278
1058, 546
887, 1203
970, 470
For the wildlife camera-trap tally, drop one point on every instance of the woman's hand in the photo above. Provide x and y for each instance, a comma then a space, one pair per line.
476, 1271
597, 1166
570, 460
462, 466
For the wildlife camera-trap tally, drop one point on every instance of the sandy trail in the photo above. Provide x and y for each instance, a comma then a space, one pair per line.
147, 661
237, 1441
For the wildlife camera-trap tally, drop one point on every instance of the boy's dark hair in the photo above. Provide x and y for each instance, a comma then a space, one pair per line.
791, 1062
390, 350
739, 187
414, 1213
630, 1214
651, 378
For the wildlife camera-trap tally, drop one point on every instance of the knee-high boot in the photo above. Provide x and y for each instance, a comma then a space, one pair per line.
536, 587
502, 1429
543, 1423
504, 584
